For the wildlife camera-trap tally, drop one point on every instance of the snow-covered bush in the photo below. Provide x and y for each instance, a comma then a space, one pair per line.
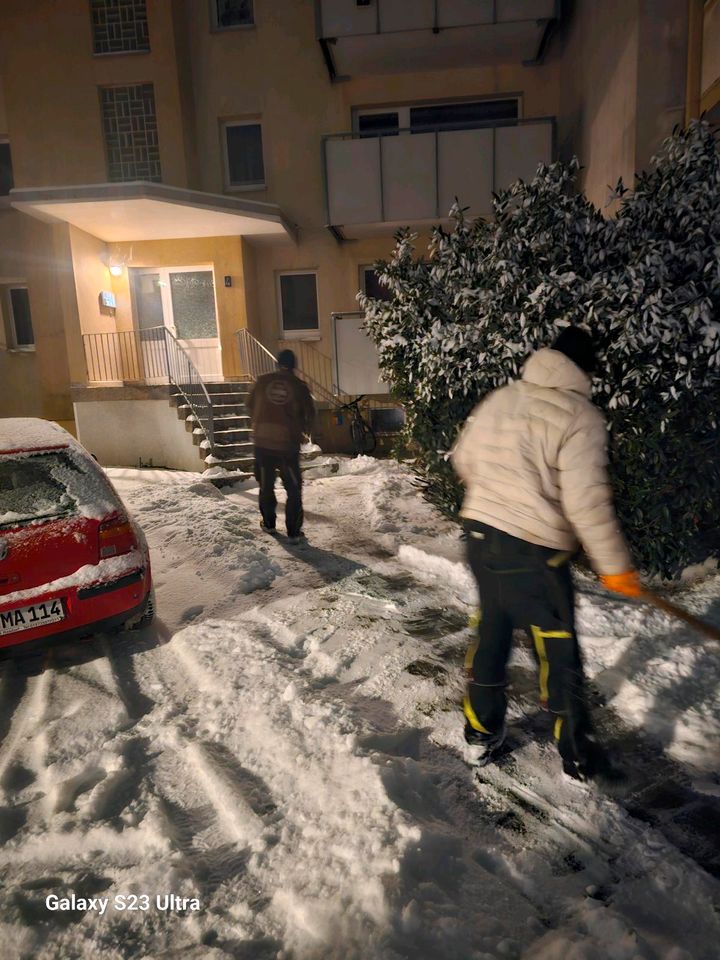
647, 283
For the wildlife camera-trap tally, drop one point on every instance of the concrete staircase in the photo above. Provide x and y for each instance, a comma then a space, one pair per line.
231, 424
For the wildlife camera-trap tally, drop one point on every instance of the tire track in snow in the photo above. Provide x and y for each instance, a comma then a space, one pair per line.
28, 717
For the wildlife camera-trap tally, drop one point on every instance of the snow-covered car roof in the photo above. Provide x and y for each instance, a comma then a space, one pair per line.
22, 434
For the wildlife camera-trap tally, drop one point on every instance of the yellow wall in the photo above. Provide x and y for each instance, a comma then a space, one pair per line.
52, 77
35, 384
598, 93
223, 253
276, 72
623, 71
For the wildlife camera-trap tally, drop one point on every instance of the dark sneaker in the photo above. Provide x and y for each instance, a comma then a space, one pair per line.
595, 764
298, 538
271, 530
483, 747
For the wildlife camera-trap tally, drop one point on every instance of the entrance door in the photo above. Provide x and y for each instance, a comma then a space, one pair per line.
183, 300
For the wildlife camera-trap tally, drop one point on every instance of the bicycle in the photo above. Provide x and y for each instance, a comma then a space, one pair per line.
363, 435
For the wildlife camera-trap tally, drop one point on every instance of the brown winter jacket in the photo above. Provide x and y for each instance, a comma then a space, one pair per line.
533, 460
281, 410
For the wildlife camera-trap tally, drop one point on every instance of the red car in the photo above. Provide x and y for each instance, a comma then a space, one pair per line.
72, 562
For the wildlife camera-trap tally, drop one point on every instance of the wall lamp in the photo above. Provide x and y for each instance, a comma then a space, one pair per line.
117, 261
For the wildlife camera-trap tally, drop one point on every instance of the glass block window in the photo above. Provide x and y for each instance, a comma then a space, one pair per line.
6, 171
193, 304
298, 302
244, 155
232, 13
119, 26
130, 131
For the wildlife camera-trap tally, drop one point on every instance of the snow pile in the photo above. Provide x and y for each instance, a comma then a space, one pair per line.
310, 449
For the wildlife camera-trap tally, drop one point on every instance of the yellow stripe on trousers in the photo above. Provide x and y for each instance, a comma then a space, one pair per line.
473, 624
472, 716
539, 637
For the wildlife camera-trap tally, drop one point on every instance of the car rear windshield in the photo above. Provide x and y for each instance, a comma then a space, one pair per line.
37, 487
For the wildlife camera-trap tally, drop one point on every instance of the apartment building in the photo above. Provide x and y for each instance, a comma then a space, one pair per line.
187, 186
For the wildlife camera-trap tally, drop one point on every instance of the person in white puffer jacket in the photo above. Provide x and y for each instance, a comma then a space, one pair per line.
533, 459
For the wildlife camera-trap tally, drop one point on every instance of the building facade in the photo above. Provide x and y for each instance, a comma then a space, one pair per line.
185, 186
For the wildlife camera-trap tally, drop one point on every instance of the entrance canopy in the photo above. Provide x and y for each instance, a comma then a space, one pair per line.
116, 212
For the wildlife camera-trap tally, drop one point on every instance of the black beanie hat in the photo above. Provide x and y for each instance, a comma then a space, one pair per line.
577, 345
286, 359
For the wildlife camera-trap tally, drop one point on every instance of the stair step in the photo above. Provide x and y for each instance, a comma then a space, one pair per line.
220, 386
232, 436
230, 423
240, 463
227, 449
230, 410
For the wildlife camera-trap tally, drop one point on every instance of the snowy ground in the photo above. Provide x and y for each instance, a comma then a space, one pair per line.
283, 745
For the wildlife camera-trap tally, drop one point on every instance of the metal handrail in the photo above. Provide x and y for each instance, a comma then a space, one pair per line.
144, 355
183, 373
257, 360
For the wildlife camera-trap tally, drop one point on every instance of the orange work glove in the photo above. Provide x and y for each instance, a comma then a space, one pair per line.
626, 583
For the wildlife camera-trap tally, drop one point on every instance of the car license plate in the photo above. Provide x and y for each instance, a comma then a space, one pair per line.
36, 615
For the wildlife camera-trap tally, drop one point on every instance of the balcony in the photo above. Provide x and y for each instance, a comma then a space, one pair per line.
391, 36
376, 184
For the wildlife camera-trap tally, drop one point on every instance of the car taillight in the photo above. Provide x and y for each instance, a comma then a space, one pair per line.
116, 537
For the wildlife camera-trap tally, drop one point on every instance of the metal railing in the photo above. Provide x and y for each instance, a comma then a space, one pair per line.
150, 355
183, 373
257, 360
333, 19
314, 364
386, 178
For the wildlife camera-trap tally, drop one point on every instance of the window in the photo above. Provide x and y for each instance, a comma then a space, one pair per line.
298, 302
6, 171
16, 302
232, 13
427, 118
370, 285
244, 155
461, 116
130, 131
119, 26
378, 124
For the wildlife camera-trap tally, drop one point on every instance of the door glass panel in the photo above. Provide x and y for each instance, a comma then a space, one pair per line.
148, 299
193, 304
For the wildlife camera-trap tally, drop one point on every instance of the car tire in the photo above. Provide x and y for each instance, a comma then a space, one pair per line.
146, 615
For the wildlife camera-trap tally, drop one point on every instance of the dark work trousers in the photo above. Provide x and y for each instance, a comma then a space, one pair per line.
524, 586
268, 463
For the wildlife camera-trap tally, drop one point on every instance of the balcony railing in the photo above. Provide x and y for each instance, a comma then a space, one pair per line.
151, 356
413, 177
388, 36
346, 18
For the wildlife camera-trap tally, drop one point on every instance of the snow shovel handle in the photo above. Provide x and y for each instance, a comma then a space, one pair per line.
662, 604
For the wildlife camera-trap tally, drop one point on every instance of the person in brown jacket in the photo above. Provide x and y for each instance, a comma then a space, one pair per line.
281, 411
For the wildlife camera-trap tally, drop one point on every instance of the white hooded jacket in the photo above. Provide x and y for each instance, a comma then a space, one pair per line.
533, 458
